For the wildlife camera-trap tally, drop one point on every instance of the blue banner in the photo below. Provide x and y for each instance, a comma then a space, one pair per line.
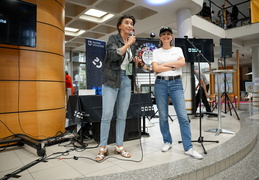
95, 55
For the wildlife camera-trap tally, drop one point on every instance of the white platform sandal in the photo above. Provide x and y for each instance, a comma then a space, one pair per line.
122, 151
102, 153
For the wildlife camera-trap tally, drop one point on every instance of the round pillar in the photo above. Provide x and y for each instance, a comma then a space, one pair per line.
184, 23
32, 80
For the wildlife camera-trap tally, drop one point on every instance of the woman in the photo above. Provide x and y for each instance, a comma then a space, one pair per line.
167, 64
117, 85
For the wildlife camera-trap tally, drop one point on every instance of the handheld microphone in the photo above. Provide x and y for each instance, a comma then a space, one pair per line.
132, 33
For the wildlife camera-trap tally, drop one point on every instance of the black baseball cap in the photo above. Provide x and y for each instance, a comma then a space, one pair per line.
165, 28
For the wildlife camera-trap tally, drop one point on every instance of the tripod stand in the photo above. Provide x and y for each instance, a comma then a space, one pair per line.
228, 102
226, 97
150, 85
200, 138
158, 112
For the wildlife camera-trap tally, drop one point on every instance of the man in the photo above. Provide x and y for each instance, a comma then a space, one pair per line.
203, 88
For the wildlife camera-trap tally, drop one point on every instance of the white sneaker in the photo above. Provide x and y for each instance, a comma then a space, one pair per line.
166, 147
194, 154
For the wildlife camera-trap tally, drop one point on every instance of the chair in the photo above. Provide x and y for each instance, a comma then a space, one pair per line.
213, 101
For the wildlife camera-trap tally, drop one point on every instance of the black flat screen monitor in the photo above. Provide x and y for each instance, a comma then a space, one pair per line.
17, 23
205, 46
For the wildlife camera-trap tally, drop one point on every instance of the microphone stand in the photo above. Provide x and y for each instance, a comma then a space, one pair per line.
200, 139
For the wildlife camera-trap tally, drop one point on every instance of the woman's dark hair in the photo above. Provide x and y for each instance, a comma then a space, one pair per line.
124, 17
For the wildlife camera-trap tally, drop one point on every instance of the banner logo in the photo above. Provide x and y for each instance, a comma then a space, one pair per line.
90, 43
97, 62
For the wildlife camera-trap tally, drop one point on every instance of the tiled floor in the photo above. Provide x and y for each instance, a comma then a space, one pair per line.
146, 152
247, 168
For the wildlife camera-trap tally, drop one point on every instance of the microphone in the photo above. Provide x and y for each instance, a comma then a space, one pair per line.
132, 33
186, 37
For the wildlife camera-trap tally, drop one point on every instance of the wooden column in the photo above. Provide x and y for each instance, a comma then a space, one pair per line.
32, 80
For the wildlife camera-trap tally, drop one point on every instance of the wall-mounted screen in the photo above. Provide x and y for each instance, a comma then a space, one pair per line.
18, 23
205, 46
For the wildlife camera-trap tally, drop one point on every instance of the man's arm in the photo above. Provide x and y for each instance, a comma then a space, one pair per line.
204, 87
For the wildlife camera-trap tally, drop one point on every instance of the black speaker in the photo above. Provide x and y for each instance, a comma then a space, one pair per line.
225, 48
132, 130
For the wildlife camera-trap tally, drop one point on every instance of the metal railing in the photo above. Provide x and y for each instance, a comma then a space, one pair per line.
222, 13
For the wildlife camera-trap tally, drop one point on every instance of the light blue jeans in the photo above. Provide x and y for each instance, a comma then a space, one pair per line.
121, 96
174, 90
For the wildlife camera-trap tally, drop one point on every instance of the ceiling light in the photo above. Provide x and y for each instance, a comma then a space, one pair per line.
95, 19
95, 13
158, 2
71, 29
77, 33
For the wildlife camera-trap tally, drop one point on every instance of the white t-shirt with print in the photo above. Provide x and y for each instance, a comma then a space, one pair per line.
167, 55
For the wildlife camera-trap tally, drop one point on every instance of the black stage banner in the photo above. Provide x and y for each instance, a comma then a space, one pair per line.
89, 108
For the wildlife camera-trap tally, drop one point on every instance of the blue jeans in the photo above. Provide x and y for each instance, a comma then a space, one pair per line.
122, 97
174, 90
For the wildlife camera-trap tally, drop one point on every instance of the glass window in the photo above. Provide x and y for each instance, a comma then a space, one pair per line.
79, 76
78, 57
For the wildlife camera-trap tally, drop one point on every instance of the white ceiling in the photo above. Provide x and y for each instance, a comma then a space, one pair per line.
150, 18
